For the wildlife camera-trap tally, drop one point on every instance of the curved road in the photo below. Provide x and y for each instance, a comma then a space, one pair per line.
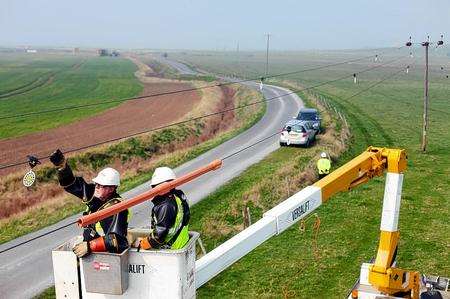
27, 270
181, 68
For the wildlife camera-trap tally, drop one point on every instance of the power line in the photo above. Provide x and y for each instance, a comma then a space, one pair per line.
379, 82
42, 80
376, 83
37, 237
385, 79
324, 66
74, 222
425, 126
150, 96
267, 56
249, 146
223, 159
206, 115
409, 103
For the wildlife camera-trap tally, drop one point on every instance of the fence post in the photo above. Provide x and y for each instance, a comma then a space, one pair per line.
199, 241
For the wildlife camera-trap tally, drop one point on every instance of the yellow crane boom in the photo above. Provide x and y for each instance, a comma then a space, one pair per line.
382, 275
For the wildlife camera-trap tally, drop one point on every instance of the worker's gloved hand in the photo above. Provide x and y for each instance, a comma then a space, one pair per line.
81, 249
144, 243
57, 158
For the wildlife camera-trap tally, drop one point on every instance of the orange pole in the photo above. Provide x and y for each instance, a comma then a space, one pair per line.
158, 190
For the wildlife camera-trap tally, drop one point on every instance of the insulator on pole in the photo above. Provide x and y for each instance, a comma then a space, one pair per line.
409, 43
407, 69
441, 42
376, 57
354, 78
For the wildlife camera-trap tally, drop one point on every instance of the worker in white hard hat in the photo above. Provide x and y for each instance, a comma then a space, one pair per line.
109, 234
169, 217
323, 165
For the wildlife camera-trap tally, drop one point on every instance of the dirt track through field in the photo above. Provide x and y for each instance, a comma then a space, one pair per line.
128, 118
39, 82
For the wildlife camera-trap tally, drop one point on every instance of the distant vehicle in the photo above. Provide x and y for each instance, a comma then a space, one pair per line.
102, 52
311, 116
297, 132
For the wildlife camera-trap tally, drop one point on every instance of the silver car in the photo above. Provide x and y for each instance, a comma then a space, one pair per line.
297, 132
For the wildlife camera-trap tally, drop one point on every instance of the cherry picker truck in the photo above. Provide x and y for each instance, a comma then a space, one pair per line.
378, 279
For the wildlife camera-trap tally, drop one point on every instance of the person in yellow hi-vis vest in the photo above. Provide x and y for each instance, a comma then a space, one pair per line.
170, 216
109, 234
323, 165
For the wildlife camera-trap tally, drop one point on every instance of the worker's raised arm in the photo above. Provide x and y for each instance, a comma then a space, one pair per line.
74, 185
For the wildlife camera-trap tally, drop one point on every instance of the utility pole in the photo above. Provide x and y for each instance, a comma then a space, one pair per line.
237, 54
267, 55
425, 99
425, 126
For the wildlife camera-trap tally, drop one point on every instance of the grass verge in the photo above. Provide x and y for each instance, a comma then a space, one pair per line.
136, 157
261, 187
388, 115
218, 216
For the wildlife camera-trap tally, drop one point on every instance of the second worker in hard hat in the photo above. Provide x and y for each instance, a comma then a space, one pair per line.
323, 165
109, 234
169, 217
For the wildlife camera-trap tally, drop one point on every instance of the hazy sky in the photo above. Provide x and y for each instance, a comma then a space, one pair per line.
190, 24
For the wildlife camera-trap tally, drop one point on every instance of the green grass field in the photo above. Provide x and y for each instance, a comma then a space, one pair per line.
54, 81
142, 153
388, 115
289, 265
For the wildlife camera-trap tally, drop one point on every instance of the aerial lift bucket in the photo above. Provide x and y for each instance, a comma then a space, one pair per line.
163, 273
131, 274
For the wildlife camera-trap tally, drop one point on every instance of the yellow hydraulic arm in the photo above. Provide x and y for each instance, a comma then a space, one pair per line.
381, 275
361, 169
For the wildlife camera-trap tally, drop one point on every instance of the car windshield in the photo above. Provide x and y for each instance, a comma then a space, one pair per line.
298, 129
307, 116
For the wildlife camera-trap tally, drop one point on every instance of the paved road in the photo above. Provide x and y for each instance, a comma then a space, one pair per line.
27, 270
178, 66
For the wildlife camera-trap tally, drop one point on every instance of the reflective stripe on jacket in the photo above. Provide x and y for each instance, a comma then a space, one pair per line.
178, 228
169, 220
98, 225
324, 165
114, 228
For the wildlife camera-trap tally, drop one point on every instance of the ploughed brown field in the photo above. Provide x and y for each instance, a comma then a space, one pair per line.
128, 118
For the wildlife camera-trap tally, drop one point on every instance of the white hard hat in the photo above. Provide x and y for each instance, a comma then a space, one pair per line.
107, 177
161, 175
323, 155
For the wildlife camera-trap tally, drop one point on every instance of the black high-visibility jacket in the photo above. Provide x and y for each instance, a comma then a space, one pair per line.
164, 213
113, 227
